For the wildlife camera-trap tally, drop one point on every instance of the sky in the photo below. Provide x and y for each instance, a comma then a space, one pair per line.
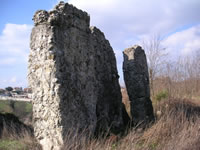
124, 23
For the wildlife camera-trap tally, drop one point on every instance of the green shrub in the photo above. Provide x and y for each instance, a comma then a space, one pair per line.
5, 107
22, 109
12, 145
18, 108
162, 95
28, 107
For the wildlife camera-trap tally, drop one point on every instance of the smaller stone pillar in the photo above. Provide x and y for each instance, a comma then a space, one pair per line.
136, 79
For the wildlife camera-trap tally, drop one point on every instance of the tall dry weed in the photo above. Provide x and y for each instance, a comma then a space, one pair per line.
177, 128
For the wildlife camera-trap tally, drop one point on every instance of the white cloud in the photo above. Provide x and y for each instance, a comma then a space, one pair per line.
119, 58
14, 50
13, 80
126, 22
14, 44
184, 42
130, 18
7, 61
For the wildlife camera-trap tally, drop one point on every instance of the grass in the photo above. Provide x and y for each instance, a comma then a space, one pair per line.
5, 107
23, 110
176, 127
12, 139
12, 145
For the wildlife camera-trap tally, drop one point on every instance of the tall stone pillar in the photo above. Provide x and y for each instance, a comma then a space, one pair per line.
73, 75
136, 78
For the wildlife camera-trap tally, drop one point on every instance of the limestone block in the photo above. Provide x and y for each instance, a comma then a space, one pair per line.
136, 78
73, 75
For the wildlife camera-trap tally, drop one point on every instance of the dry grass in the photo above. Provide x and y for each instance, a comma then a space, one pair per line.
177, 128
17, 137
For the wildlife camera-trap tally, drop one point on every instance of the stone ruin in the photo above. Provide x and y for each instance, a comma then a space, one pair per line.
136, 78
73, 75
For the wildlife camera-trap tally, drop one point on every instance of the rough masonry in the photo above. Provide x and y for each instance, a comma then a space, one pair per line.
73, 75
136, 79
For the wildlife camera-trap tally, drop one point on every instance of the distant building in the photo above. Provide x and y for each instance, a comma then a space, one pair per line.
27, 90
29, 95
15, 95
18, 89
7, 93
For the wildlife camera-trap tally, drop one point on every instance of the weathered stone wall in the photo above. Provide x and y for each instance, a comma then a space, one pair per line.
72, 72
136, 78
109, 99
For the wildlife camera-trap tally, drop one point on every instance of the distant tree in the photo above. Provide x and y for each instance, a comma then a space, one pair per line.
156, 55
9, 89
